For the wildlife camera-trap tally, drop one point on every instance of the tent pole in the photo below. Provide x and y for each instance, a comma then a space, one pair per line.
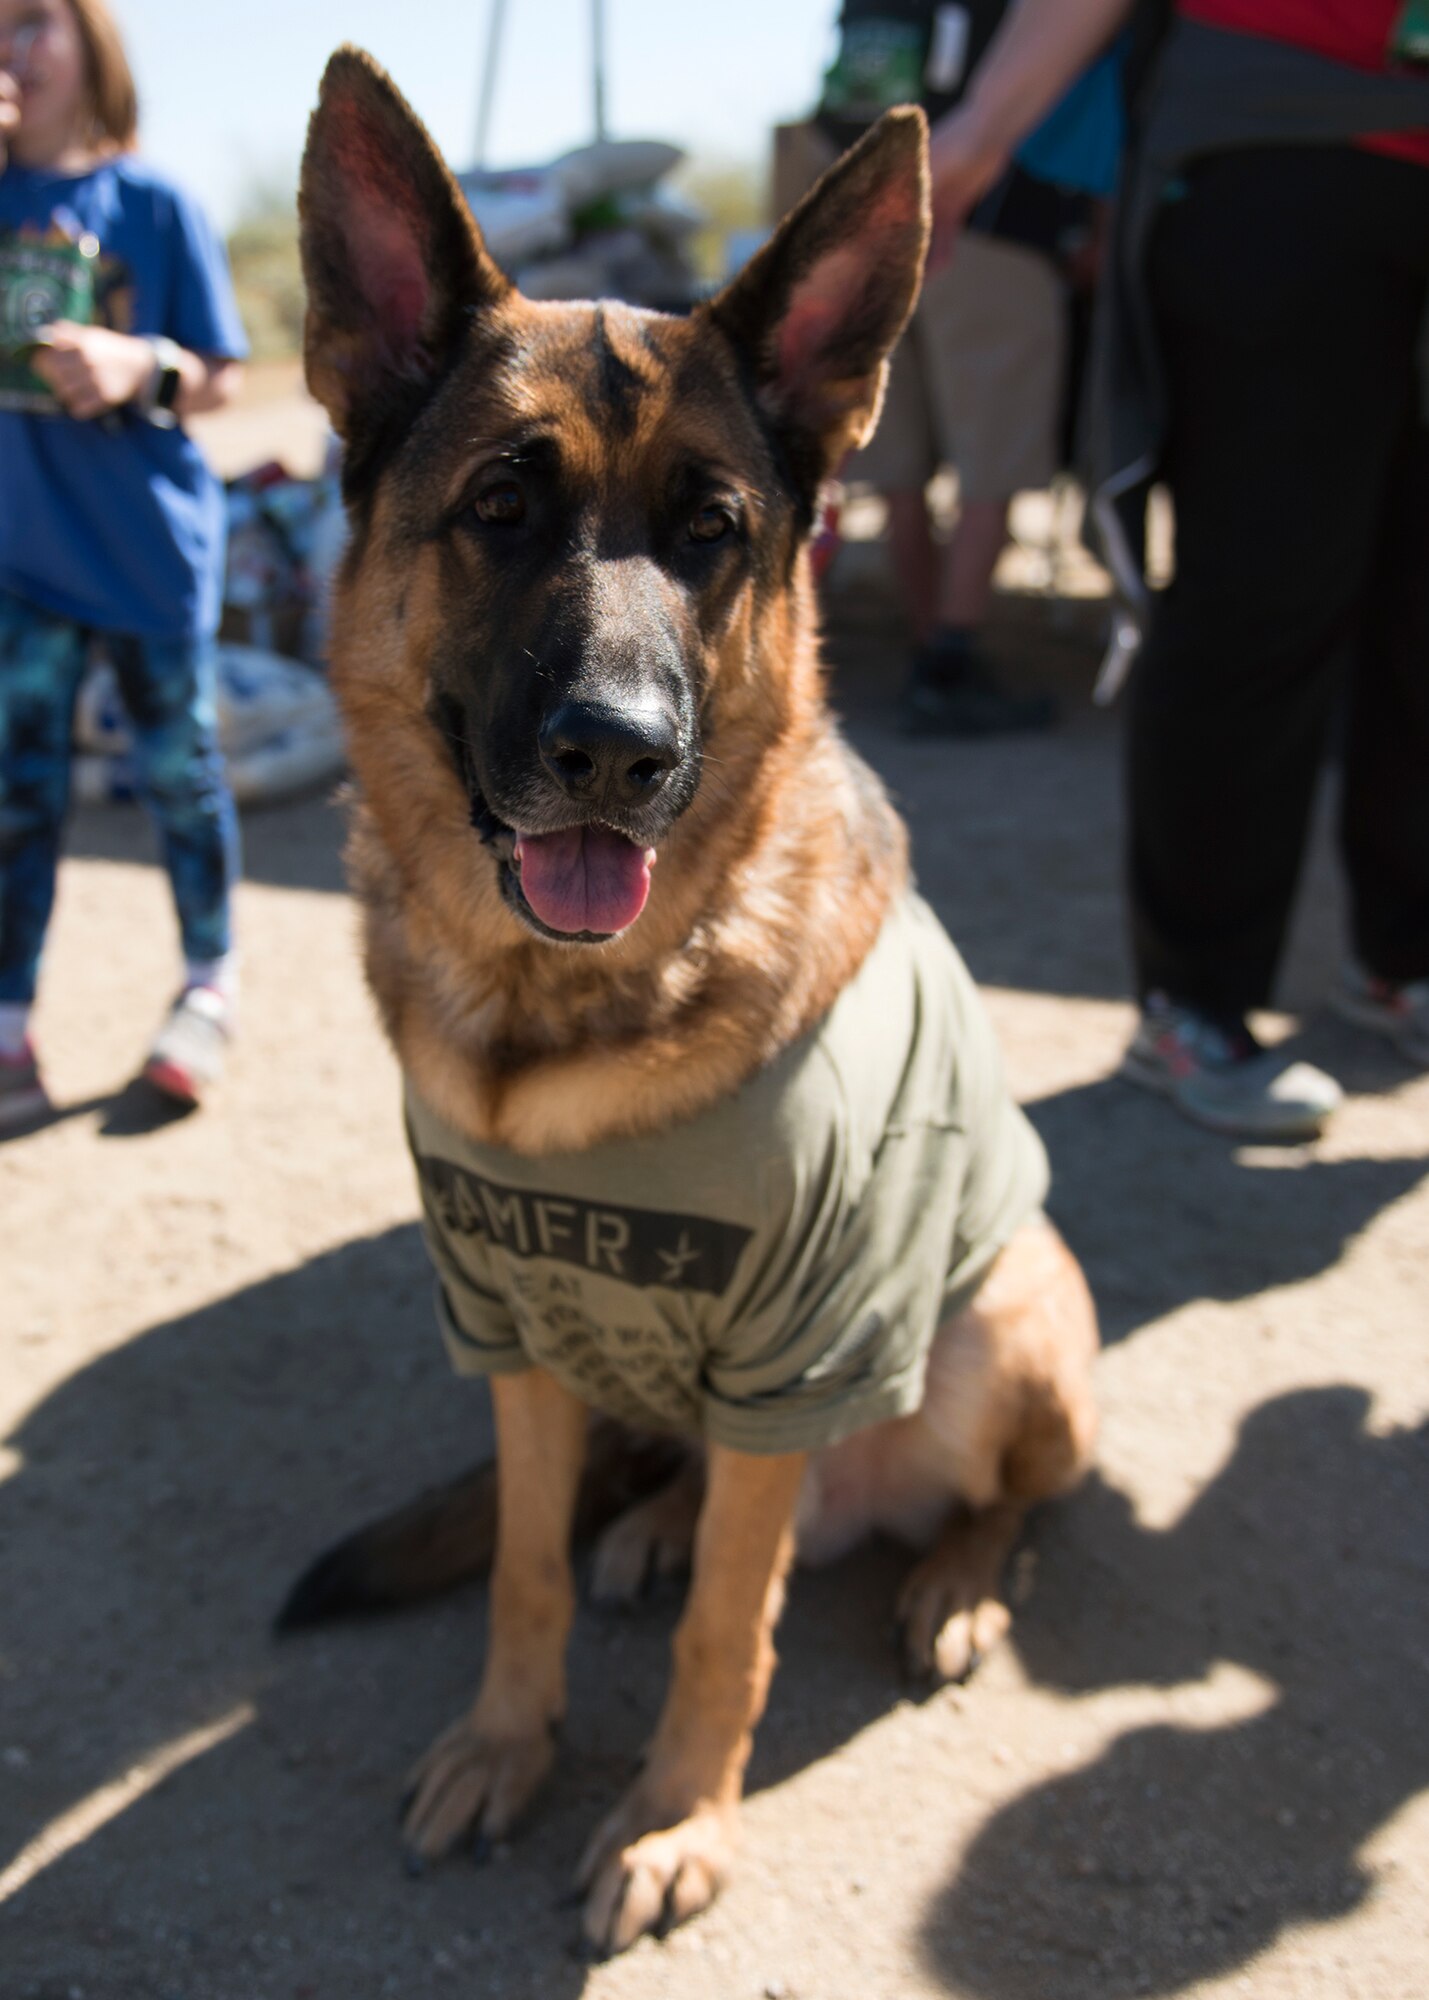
598, 55
495, 24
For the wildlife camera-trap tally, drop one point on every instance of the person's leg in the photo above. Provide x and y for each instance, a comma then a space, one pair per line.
169, 691
898, 461
1287, 328
1385, 802
41, 664
993, 340
1384, 798
915, 558
965, 586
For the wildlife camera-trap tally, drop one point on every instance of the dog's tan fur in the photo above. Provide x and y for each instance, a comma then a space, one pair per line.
770, 888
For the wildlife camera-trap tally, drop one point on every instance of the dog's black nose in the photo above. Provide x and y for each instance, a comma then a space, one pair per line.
609, 755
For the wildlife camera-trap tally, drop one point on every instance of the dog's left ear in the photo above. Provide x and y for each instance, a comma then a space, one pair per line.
817, 311
394, 262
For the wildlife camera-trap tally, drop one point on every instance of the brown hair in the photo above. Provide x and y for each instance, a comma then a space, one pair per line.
113, 102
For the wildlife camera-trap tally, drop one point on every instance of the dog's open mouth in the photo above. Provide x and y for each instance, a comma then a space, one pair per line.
584, 881
580, 885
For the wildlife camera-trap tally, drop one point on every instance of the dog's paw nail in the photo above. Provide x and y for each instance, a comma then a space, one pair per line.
415, 1862
481, 1849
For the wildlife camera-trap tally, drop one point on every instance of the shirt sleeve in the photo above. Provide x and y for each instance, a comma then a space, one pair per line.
835, 1335
1006, 1174
476, 1324
202, 312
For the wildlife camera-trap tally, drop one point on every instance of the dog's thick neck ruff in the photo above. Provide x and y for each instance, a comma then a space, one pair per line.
613, 852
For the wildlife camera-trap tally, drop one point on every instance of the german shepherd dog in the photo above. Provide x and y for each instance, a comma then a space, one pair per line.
614, 859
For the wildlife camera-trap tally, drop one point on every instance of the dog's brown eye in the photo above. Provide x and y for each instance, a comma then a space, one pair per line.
711, 524
501, 505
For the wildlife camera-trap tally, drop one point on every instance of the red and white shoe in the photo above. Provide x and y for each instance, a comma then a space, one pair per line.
190, 1049
23, 1096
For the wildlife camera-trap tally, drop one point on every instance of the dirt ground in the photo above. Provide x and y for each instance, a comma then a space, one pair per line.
1196, 1767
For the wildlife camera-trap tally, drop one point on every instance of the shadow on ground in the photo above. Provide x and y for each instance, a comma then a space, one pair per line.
165, 1499
1161, 1213
169, 1493
1182, 1852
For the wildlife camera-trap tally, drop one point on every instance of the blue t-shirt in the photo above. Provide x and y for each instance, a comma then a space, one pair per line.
115, 523
1078, 144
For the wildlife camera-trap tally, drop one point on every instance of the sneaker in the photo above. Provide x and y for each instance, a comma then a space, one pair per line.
953, 692
189, 1050
22, 1092
1217, 1073
1394, 1008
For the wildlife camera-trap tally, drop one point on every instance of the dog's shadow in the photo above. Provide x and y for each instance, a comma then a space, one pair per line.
163, 1499
1182, 1851
166, 1495
185, 1801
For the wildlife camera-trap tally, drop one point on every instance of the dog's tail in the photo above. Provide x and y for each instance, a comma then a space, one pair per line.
447, 1535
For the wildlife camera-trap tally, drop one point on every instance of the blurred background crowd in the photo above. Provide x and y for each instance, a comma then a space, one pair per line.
1177, 280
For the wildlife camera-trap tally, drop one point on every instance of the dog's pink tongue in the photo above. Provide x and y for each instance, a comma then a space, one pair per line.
585, 879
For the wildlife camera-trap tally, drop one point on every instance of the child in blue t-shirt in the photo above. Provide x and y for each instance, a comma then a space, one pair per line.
117, 321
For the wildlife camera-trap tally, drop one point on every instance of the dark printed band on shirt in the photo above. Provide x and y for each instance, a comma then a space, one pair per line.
639, 1246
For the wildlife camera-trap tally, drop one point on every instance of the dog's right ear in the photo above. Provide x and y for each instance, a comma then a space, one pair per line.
394, 262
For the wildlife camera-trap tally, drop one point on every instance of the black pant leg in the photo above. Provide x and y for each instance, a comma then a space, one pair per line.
1384, 804
1287, 322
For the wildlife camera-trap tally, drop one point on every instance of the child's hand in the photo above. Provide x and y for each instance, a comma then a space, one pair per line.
90, 369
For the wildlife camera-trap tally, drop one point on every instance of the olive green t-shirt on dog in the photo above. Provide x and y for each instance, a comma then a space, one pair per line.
768, 1275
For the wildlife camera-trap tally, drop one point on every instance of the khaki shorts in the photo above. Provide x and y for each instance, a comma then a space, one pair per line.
977, 379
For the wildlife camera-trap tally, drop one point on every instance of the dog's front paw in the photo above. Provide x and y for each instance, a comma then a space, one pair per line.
648, 1868
945, 1635
471, 1779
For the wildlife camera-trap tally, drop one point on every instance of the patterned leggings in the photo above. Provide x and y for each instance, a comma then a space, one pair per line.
168, 690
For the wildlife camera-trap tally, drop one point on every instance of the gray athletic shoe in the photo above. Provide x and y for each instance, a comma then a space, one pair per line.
1397, 1009
22, 1092
1218, 1074
189, 1050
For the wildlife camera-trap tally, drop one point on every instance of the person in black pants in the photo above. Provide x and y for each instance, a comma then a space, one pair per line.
1290, 288
1266, 355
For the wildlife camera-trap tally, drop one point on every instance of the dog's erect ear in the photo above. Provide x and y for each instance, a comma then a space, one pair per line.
817, 311
393, 259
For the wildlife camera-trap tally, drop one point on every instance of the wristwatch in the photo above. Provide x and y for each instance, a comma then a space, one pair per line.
157, 397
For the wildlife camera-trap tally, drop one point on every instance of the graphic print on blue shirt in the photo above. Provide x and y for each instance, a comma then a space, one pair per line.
119, 526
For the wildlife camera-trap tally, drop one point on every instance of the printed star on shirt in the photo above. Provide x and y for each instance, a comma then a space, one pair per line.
677, 1260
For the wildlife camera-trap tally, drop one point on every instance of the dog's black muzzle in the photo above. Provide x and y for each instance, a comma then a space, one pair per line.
630, 770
